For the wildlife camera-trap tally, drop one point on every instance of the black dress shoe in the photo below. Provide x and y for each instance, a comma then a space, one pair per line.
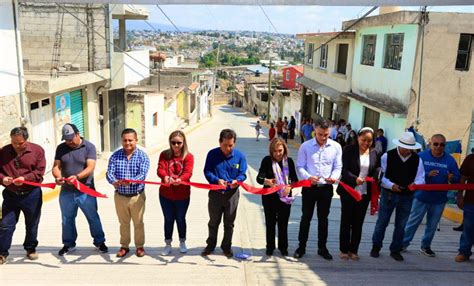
325, 254
206, 252
459, 228
397, 256
375, 252
298, 253
228, 253
269, 252
284, 252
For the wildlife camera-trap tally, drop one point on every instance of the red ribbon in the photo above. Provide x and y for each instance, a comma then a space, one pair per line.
355, 194
46, 185
85, 189
442, 187
78, 185
375, 193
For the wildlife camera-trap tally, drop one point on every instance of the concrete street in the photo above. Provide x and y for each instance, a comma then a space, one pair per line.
87, 267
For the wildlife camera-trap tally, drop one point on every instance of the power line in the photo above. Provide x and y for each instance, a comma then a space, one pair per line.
268, 18
169, 19
343, 31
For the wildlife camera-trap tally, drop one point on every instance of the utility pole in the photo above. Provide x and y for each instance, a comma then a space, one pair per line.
423, 21
269, 87
215, 79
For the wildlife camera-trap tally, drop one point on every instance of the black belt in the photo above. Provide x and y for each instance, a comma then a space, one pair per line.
130, 195
20, 193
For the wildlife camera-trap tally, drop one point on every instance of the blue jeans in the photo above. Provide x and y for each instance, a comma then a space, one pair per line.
30, 204
390, 201
433, 215
467, 236
174, 211
70, 201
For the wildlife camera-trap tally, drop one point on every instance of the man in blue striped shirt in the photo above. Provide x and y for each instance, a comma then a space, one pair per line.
129, 163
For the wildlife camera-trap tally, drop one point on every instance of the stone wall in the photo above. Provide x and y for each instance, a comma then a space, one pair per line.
79, 45
9, 117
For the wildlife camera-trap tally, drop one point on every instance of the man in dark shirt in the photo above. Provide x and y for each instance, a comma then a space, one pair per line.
224, 166
75, 159
21, 161
466, 202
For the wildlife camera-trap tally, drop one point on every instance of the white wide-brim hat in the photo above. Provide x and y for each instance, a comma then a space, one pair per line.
407, 141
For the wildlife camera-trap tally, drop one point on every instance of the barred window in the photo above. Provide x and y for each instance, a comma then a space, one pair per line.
368, 50
309, 54
464, 52
323, 61
393, 51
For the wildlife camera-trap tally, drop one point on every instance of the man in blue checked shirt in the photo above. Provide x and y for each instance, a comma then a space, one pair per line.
129, 163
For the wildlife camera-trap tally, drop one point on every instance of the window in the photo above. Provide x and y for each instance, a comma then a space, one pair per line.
368, 50
323, 60
342, 51
371, 118
287, 75
464, 52
319, 104
155, 119
309, 54
393, 51
264, 96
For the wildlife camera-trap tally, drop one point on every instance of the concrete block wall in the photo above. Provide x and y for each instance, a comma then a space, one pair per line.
9, 116
38, 26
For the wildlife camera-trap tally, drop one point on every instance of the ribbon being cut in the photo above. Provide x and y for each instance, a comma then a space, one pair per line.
278, 188
78, 185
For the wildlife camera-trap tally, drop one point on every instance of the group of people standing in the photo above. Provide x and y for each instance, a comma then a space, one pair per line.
321, 160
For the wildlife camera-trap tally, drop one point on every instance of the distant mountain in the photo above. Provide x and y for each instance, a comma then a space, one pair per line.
142, 25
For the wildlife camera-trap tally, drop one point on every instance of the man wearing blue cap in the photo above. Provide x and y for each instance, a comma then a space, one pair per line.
75, 160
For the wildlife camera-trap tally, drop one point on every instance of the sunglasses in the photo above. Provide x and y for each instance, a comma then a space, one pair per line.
436, 144
176, 142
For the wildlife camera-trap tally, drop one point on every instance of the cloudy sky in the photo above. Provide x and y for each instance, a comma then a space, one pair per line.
287, 19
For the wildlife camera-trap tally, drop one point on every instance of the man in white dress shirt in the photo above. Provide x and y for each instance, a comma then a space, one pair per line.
319, 160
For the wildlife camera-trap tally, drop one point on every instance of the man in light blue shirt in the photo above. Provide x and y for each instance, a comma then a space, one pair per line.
319, 160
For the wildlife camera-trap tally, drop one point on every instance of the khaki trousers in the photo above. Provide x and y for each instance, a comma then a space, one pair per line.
131, 208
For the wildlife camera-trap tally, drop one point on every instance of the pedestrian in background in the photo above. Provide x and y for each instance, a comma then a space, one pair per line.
271, 131
292, 127
175, 165
258, 129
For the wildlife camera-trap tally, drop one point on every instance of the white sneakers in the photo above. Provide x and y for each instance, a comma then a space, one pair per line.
167, 249
182, 247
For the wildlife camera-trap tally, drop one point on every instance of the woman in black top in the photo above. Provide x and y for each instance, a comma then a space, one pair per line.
277, 169
359, 160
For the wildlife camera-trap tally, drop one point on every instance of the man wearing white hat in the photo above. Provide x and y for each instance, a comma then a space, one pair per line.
401, 167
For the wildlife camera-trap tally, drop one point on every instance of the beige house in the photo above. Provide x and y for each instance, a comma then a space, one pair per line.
327, 74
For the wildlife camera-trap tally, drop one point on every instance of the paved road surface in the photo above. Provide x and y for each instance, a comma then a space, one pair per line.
87, 267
